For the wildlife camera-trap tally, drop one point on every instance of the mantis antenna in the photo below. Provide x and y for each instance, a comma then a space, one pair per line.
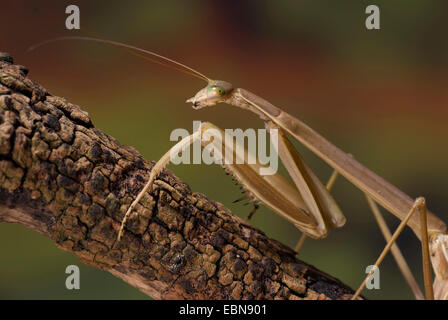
159, 59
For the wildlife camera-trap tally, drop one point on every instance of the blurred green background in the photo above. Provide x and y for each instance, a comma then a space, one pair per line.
381, 95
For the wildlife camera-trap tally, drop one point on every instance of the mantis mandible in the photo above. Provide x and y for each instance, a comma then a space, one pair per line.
306, 202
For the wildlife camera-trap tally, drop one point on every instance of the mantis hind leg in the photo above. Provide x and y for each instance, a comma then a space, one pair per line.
418, 206
398, 256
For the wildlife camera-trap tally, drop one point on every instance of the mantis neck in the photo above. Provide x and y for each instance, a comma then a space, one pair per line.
235, 100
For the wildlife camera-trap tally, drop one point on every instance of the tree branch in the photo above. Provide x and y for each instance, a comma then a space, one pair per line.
71, 182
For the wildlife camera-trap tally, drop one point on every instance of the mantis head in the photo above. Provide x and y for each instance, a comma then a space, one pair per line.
216, 91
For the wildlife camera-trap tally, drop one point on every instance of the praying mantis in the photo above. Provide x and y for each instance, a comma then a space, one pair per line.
305, 201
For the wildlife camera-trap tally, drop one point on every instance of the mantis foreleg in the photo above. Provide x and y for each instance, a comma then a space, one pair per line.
275, 191
328, 186
158, 167
320, 203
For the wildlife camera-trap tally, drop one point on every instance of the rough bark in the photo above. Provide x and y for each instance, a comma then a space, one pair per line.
64, 178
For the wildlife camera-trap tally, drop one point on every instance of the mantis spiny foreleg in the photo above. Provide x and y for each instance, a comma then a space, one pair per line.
328, 186
275, 191
158, 167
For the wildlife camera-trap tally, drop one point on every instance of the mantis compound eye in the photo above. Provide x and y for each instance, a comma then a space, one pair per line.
218, 89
